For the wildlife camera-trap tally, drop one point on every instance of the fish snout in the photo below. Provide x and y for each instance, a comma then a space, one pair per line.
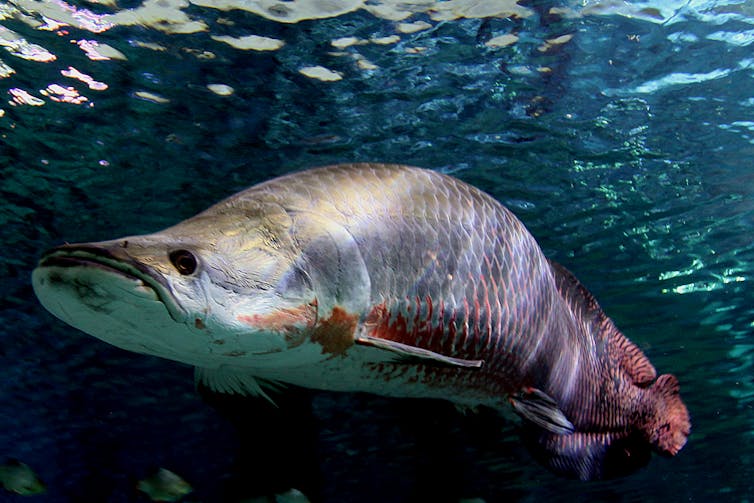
79, 253
145, 257
140, 262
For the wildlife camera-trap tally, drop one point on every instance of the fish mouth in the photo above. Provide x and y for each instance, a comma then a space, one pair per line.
90, 256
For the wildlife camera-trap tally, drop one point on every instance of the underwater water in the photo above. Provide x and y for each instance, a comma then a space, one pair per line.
620, 133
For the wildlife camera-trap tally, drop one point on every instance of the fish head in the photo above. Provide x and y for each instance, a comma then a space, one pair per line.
226, 284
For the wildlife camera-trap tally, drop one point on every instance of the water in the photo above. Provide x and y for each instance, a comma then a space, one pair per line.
622, 134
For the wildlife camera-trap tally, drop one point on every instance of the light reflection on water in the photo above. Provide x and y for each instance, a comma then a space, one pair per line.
619, 132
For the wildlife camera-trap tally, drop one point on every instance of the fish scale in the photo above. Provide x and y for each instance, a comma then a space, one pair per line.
386, 279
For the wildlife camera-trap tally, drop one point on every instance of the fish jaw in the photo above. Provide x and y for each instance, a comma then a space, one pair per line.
134, 304
101, 290
106, 257
98, 292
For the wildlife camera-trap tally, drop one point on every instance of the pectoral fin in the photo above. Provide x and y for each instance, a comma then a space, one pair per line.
540, 409
411, 354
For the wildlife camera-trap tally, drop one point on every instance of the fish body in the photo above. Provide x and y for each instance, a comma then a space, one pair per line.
17, 477
379, 278
164, 485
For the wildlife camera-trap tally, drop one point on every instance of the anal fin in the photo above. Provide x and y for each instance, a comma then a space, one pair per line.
412, 354
223, 380
540, 409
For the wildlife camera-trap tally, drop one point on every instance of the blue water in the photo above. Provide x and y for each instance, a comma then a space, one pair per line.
625, 144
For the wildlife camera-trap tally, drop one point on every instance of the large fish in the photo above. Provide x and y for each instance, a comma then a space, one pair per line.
385, 279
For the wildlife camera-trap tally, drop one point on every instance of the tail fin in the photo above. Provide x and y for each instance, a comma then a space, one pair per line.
664, 427
668, 425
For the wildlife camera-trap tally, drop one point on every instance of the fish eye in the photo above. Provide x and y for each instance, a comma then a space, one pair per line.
184, 261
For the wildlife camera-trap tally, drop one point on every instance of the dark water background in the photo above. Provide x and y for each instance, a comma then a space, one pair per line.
626, 149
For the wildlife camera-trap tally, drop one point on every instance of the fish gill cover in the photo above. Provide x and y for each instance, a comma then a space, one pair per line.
620, 133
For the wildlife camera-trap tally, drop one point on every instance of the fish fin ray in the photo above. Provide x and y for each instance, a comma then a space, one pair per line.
412, 354
540, 409
583, 304
235, 383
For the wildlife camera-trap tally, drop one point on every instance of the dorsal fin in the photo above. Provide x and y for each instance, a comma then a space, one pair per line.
589, 313
582, 302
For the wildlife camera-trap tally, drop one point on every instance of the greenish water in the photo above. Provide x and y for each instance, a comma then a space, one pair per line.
621, 134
